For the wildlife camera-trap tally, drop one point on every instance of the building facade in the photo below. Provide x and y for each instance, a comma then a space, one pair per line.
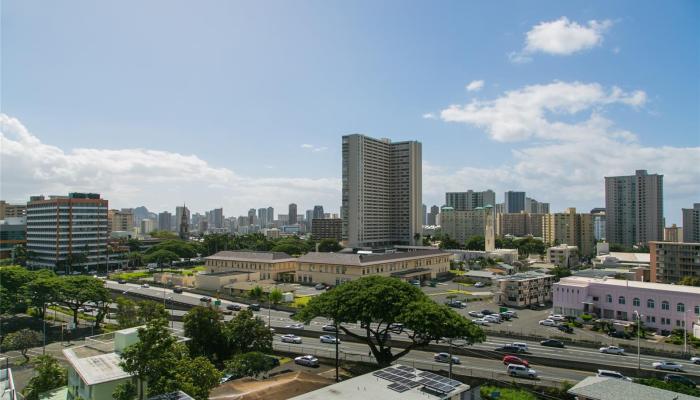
327, 228
634, 207
524, 289
672, 261
382, 191
12, 210
673, 233
13, 232
292, 214
521, 224
165, 221
570, 228
67, 231
662, 307
598, 215
271, 265
514, 202
216, 218
563, 256
462, 225
469, 200
691, 224
120, 220
536, 207
432, 216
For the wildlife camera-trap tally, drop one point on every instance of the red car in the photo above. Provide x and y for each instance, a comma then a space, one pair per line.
515, 360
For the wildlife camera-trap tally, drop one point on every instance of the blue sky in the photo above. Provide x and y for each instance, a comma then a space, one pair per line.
212, 102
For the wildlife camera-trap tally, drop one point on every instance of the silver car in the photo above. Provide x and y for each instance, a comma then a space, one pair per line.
291, 339
329, 339
668, 366
309, 361
521, 371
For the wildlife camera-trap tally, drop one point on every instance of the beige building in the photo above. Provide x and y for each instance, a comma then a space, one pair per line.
520, 224
271, 265
12, 210
524, 289
219, 280
337, 268
563, 255
691, 224
570, 228
461, 225
670, 262
120, 220
673, 233
327, 228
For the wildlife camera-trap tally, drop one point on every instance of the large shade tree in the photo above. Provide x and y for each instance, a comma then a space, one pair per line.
379, 302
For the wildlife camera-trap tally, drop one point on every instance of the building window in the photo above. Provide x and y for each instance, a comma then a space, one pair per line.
635, 302
697, 310
621, 300
650, 303
608, 298
680, 307
664, 305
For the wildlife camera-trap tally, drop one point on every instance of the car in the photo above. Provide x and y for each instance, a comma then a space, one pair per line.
295, 326
668, 366
521, 371
415, 282
254, 307
233, 307
290, 339
227, 378
329, 328
145, 285
606, 373
504, 316
515, 360
481, 321
552, 343
523, 346
320, 286
205, 299
548, 322
612, 350
475, 314
479, 284
177, 289
556, 317
695, 360
329, 339
445, 358
492, 319
396, 327
513, 314
121, 281
619, 334
486, 312
565, 328
509, 348
683, 380
455, 304
308, 361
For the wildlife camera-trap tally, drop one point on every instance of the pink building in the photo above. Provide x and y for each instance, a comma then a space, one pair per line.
661, 306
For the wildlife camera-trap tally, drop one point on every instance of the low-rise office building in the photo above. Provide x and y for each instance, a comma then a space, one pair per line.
663, 307
525, 289
271, 265
670, 262
563, 255
13, 232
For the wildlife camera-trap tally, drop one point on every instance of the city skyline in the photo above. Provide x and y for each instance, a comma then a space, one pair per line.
502, 105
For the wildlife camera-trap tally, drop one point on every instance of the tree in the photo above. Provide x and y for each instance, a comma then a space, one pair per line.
205, 330
22, 341
329, 245
275, 296
255, 293
125, 391
76, 291
161, 257
127, 313
449, 243
250, 364
245, 333
135, 259
48, 375
13, 279
163, 234
690, 281
560, 272
378, 302
476, 243
197, 376
42, 291
150, 310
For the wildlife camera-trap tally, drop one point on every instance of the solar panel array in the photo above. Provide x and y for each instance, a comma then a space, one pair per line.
404, 378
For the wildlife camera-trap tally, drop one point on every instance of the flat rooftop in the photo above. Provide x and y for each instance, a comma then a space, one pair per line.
598, 388
252, 256
584, 281
639, 258
369, 259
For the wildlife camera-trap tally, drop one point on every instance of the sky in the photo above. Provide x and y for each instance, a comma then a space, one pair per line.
242, 104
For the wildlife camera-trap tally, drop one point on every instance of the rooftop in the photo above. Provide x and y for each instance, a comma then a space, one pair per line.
253, 256
627, 257
523, 276
598, 388
398, 382
584, 281
279, 387
368, 259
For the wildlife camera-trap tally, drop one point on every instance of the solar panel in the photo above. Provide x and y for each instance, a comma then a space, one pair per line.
406, 368
398, 387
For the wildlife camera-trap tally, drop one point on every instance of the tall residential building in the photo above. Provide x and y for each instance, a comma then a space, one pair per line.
691, 224
521, 224
382, 191
433, 215
673, 233
147, 226
514, 202
216, 218
252, 220
462, 225
120, 220
536, 207
262, 217
183, 222
470, 200
670, 262
425, 214
12, 210
270, 215
67, 230
318, 212
327, 228
165, 221
635, 208
293, 214
598, 215
570, 228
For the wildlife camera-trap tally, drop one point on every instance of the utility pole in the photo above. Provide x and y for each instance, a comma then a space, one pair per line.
450, 373
639, 323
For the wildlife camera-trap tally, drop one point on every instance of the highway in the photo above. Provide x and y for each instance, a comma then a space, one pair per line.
570, 353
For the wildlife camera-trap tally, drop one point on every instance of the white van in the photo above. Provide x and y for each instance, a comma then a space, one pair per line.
521, 371
523, 346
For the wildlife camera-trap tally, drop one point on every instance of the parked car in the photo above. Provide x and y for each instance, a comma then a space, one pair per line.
486, 312
481, 321
205, 299
515, 360
295, 326
415, 282
548, 322
329, 328
475, 314
683, 380
121, 281
309, 361
504, 316
565, 328
668, 366
552, 343
695, 360
606, 373
509, 348
556, 317
492, 318
320, 286
329, 339
521, 371
612, 350
233, 307
513, 314
291, 339
145, 285
455, 304
479, 284
177, 289
445, 358
619, 334
254, 307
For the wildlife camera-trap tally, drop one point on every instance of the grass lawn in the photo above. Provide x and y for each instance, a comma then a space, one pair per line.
459, 291
507, 394
300, 301
130, 276
457, 272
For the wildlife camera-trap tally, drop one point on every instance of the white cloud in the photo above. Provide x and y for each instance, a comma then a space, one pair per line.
131, 177
429, 116
313, 148
561, 37
475, 86
529, 111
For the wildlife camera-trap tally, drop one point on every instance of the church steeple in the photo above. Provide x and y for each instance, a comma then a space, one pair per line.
184, 223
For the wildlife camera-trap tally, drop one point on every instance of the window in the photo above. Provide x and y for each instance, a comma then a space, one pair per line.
697, 310
650, 303
680, 307
635, 302
621, 300
665, 305
608, 298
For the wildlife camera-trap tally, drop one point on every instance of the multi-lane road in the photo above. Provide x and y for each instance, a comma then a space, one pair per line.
571, 354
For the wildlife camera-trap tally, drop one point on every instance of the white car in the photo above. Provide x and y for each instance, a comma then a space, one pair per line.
479, 284
556, 317
523, 346
605, 373
481, 321
667, 365
329, 339
513, 314
309, 361
295, 326
475, 314
521, 371
145, 285
291, 339
695, 360
548, 322
445, 358
612, 350
492, 319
